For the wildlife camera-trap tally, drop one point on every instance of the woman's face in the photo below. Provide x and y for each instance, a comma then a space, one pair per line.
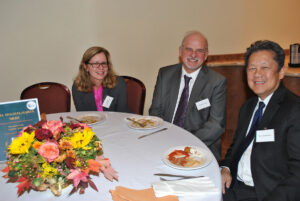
97, 68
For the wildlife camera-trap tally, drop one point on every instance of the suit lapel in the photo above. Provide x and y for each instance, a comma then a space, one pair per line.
174, 88
245, 122
272, 107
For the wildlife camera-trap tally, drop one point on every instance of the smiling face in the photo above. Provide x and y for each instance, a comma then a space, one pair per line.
263, 74
193, 52
97, 68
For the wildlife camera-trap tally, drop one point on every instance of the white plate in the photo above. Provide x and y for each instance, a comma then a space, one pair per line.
99, 116
203, 154
157, 122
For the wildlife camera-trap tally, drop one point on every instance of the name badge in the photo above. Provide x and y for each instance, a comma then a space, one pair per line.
106, 103
203, 104
265, 135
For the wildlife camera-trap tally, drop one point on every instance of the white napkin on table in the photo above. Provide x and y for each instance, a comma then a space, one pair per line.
183, 187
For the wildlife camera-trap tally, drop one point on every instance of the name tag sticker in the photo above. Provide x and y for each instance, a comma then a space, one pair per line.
107, 101
265, 135
203, 104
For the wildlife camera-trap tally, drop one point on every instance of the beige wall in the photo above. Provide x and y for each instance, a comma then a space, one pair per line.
44, 40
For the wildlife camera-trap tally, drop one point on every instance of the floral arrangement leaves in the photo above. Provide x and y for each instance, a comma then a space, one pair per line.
53, 154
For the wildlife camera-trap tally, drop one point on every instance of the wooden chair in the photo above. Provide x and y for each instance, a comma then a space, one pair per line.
52, 97
136, 93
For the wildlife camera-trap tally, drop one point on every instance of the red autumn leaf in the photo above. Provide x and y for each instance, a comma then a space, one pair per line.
73, 190
29, 129
23, 186
70, 162
12, 179
39, 124
6, 170
92, 184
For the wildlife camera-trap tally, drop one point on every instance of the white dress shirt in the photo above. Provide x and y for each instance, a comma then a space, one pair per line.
193, 76
244, 167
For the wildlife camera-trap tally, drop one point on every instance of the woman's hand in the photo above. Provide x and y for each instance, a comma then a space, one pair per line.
226, 178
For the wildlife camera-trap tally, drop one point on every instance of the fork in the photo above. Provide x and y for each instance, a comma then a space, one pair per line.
139, 123
72, 118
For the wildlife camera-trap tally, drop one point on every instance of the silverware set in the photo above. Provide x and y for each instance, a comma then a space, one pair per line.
180, 177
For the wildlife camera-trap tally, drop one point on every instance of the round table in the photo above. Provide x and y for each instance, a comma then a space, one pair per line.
135, 160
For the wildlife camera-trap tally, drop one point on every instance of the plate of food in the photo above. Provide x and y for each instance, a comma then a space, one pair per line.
92, 118
187, 157
144, 122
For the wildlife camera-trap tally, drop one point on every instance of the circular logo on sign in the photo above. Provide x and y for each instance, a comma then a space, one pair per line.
31, 105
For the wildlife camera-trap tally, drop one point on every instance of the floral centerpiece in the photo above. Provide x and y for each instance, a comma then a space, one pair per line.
53, 154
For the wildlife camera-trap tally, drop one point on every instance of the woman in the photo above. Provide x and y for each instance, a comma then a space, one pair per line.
96, 87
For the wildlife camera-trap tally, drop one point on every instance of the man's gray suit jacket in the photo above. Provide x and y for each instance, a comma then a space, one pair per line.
208, 124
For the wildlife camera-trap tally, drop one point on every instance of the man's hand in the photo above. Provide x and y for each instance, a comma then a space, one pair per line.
226, 179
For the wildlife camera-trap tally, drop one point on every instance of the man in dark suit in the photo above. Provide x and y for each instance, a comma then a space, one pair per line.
191, 95
263, 162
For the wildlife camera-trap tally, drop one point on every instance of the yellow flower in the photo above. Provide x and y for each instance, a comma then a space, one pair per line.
48, 171
21, 144
77, 163
81, 139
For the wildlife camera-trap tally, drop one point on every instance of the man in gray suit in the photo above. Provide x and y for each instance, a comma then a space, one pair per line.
191, 95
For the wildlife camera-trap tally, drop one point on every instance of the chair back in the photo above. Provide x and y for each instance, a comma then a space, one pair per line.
136, 93
52, 97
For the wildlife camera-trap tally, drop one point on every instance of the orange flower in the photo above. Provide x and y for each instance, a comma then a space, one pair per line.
71, 153
61, 158
37, 144
49, 150
64, 144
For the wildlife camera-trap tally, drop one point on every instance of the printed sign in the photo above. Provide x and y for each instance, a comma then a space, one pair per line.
14, 116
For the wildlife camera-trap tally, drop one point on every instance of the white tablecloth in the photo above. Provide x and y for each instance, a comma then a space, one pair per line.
135, 160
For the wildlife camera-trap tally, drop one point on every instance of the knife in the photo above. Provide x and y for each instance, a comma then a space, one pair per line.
152, 133
175, 175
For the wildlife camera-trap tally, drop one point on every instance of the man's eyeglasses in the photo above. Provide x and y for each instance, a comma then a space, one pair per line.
197, 51
97, 65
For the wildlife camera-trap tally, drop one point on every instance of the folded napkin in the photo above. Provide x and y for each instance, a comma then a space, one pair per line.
126, 194
184, 187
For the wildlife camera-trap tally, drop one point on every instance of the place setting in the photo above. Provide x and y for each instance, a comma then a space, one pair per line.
92, 119
185, 182
145, 124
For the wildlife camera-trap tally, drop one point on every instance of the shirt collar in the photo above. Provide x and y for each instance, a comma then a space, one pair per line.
267, 99
193, 75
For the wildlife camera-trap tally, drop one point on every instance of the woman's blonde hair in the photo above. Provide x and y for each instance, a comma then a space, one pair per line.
83, 82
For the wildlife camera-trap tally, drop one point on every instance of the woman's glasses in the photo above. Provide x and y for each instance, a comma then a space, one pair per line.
98, 65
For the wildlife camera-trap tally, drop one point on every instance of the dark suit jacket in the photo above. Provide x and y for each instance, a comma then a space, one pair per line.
207, 124
275, 166
85, 101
